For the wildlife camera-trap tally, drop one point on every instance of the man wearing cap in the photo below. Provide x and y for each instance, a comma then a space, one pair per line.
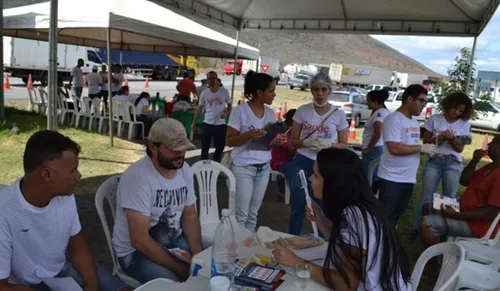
94, 82
155, 209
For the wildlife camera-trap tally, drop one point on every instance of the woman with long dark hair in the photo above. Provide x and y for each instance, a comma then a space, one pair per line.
446, 164
364, 250
373, 143
251, 165
142, 111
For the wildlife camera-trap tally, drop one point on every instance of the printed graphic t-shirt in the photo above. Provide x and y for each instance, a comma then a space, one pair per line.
215, 105
310, 120
143, 189
400, 129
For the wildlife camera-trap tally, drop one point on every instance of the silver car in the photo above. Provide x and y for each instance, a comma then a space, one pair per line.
352, 103
487, 115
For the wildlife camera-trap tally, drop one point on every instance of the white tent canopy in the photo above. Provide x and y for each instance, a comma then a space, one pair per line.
136, 25
408, 17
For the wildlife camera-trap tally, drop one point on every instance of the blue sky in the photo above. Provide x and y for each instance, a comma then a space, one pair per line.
438, 53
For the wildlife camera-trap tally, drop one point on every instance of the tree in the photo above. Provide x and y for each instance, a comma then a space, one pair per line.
459, 73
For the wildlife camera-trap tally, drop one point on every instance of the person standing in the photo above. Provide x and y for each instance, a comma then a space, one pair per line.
401, 157
203, 87
372, 135
117, 80
217, 104
76, 78
185, 87
104, 86
316, 126
94, 82
446, 165
251, 166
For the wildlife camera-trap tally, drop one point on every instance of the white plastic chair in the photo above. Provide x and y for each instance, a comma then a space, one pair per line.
476, 276
453, 260
63, 109
84, 112
130, 118
35, 101
486, 239
206, 173
274, 178
107, 191
117, 115
97, 114
44, 97
488, 256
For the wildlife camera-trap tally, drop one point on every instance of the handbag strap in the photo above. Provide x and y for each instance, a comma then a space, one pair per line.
319, 125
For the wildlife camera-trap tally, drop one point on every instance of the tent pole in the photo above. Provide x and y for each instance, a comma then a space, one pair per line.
2, 103
52, 116
110, 97
471, 64
235, 61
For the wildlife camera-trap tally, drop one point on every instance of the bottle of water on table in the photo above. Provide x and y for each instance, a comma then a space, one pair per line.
224, 249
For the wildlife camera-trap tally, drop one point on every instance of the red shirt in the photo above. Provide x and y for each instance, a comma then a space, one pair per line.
483, 190
186, 86
281, 154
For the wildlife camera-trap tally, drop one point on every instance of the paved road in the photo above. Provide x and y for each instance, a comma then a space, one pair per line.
18, 88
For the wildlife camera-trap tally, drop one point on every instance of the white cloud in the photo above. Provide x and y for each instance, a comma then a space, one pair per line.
493, 59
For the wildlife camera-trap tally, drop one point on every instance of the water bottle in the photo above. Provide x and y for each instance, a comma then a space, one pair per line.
224, 249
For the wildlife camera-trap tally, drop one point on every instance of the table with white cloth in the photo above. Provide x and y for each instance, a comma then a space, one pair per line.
192, 284
203, 259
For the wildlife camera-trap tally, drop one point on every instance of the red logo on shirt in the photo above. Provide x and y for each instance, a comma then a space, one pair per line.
214, 101
413, 129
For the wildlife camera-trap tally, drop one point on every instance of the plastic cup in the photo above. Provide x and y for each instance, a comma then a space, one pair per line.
220, 283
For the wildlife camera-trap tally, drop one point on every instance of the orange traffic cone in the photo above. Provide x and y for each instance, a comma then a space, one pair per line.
283, 113
6, 84
278, 112
30, 82
126, 82
84, 81
146, 84
484, 146
352, 129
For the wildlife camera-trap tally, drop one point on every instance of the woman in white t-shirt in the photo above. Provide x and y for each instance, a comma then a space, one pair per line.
251, 160
142, 111
316, 126
364, 250
446, 165
373, 143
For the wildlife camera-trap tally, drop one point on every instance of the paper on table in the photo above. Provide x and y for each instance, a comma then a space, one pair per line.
62, 284
314, 253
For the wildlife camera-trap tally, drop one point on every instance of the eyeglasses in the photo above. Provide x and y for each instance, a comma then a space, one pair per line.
422, 100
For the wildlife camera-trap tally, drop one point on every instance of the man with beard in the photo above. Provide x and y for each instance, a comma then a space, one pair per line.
155, 208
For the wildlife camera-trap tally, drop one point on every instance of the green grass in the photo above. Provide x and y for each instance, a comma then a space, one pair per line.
97, 157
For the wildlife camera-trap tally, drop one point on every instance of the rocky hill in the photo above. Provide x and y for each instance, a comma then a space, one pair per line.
312, 48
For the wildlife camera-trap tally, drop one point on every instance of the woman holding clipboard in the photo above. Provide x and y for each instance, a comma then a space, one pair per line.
250, 161
316, 126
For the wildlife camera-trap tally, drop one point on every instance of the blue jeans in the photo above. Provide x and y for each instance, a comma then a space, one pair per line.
107, 282
395, 197
447, 169
297, 197
143, 270
251, 185
372, 155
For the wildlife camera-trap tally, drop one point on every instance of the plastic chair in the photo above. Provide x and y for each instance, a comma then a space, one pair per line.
486, 239
44, 97
35, 101
476, 276
117, 115
84, 112
107, 191
130, 118
97, 114
453, 260
488, 256
206, 173
274, 178
64, 110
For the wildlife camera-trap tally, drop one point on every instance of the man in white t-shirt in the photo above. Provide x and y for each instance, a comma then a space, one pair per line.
40, 231
117, 82
401, 158
217, 104
202, 88
76, 78
94, 82
156, 208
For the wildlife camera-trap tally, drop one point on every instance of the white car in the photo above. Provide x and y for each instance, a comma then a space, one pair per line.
352, 103
430, 108
487, 115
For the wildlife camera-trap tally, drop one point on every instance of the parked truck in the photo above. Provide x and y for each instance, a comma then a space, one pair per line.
357, 75
270, 66
24, 57
229, 67
156, 66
